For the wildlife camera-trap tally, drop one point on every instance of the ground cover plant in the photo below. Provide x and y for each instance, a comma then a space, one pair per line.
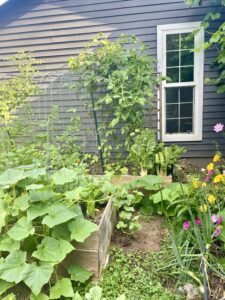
138, 275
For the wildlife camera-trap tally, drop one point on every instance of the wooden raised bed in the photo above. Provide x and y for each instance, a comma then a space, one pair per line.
93, 253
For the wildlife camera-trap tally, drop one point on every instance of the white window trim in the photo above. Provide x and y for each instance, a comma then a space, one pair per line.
162, 31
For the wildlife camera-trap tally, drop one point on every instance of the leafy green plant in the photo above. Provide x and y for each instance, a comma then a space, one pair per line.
142, 151
120, 80
138, 275
14, 94
216, 40
197, 232
39, 220
166, 159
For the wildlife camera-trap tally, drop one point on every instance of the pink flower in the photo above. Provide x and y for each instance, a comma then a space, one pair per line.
214, 218
207, 179
218, 127
186, 225
198, 221
219, 220
217, 232
211, 172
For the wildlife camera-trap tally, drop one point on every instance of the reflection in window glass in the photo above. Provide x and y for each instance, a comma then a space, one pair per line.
172, 41
180, 54
179, 110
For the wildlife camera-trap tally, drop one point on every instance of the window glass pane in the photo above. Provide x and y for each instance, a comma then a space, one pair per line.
172, 95
172, 41
187, 58
187, 41
172, 126
186, 110
186, 94
187, 74
172, 111
172, 58
173, 73
186, 125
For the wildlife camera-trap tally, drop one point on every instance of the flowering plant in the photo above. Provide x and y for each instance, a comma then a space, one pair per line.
199, 242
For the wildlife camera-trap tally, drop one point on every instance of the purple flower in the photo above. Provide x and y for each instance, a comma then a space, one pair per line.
198, 221
218, 127
186, 225
214, 218
207, 179
219, 220
217, 231
211, 172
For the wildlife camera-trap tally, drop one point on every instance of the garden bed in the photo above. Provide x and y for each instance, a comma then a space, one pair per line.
93, 253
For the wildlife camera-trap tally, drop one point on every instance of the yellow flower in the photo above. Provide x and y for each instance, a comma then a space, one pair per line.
204, 184
218, 178
216, 158
196, 184
203, 208
210, 167
211, 199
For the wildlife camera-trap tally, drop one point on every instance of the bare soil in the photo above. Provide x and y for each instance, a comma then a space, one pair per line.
147, 239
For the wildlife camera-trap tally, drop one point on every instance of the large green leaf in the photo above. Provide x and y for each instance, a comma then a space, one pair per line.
58, 214
41, 296
79, 274
36, 276
22, 229
95, 293
148, 182
62, 232
37, 210
77, 296
64, 176
63, 287
41, 195
52, 250
81, 229
4, 286
22, 202
11, 177
7, 244
3, 214
13, 267
36, 173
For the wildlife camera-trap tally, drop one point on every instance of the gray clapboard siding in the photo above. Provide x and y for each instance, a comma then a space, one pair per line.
54, 30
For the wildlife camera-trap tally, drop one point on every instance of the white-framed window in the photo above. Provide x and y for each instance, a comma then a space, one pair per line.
181, 107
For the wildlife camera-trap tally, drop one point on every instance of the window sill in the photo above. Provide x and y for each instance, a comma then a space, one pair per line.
182, 137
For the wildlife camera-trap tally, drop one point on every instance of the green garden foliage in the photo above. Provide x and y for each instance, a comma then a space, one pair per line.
216, 40
120, 76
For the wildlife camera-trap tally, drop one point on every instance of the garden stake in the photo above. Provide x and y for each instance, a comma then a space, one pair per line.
98, 135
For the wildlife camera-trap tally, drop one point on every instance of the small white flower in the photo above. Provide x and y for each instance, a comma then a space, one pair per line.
203, 170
